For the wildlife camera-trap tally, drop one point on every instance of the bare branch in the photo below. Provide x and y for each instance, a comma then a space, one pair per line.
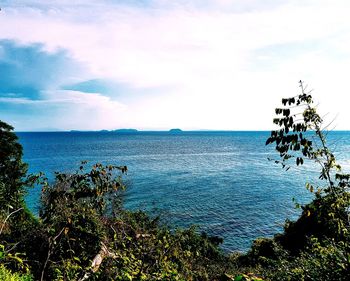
97, 261
49, 252
8, 216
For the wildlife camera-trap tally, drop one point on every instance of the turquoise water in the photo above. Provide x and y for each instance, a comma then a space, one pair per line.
220, 181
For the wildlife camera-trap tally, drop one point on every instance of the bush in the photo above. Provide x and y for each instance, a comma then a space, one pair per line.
7, 275
328, 260
83, 222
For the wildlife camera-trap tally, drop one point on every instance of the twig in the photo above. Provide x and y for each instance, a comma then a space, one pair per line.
49, 252
9, 215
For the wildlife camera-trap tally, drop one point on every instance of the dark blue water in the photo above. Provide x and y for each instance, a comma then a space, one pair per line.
220, 181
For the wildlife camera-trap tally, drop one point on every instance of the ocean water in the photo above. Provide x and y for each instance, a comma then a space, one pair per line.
220, 181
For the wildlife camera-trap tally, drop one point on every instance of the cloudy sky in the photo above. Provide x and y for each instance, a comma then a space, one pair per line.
153, 65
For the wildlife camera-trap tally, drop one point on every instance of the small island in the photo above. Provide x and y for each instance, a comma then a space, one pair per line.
126, 131
175, 130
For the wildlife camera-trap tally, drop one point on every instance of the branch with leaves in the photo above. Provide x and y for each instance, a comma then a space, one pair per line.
305, 138
301, 135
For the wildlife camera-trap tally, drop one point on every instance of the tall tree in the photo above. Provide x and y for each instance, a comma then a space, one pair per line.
12, 169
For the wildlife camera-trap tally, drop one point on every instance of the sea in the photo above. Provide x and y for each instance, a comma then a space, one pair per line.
220, 181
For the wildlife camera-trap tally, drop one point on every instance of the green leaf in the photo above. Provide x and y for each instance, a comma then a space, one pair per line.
76, 259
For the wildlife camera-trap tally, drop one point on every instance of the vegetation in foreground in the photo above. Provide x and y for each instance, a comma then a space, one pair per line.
83, 232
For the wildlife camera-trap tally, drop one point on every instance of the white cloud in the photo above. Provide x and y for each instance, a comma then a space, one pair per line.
91, 111
67, 110
205, 53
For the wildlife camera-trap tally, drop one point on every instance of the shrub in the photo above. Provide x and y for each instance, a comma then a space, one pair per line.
7, 275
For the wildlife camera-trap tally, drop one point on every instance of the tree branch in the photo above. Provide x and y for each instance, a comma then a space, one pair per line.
98, 259
9, 215
49, 252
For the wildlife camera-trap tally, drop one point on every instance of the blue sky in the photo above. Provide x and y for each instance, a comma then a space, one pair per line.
154, 65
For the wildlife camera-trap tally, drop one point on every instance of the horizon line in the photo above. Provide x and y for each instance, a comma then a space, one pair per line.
134, 131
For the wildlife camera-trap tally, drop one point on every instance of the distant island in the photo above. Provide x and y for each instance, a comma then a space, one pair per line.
125, 130
175, 130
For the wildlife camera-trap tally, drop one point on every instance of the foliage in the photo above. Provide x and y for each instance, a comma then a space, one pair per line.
136, 248
316, 245
12, 169
324, 218
7, 275
328, 214
328, 260
73, 215
292, 141
13, 182
15, 218
85, 233
247, 277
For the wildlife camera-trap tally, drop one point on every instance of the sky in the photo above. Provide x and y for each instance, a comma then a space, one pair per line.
156, 64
